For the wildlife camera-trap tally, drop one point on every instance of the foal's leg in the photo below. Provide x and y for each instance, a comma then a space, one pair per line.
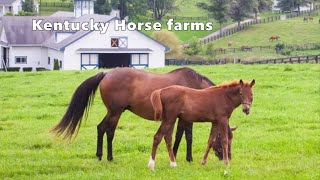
224, 140
111, 125
101, 128
168, 140
212, 138
179, 133
156, 141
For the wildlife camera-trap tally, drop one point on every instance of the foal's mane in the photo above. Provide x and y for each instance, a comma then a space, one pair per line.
231, 84
192, 74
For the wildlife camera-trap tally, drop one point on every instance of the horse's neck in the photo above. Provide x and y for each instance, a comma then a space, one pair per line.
233, 95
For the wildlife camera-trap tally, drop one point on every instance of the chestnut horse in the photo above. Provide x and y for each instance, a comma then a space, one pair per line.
127, 89
274, 38
213, 104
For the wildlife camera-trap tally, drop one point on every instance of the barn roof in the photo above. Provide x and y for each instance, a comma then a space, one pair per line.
19, 31
7, 2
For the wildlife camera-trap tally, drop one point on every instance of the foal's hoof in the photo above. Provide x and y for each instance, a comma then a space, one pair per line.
151, 164
109, 158
173, 164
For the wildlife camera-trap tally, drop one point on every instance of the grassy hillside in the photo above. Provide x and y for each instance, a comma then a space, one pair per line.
279, 139
291, 31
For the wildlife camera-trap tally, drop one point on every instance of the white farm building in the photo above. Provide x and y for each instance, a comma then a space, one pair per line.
20, 46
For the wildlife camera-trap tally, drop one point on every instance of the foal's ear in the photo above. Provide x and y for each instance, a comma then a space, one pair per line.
252, 83
241, 82
234, 128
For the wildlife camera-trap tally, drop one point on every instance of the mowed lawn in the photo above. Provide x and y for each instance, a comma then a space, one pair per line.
280, 139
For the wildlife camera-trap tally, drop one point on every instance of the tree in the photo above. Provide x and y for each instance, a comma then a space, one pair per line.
291, 5
194, 47
102, 7
218, 9
28, 6
130, 8
263, 5
161, 7
171, 40
241, 9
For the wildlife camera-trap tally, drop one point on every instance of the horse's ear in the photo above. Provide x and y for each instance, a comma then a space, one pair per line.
234, 128
252, 83
241, 82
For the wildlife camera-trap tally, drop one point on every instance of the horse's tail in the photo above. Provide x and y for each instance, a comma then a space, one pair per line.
79, 106
156, 104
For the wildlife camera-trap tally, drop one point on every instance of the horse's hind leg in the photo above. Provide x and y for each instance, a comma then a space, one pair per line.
101, 128
111, 125
212, 138
179, 133
168, 140
188, 130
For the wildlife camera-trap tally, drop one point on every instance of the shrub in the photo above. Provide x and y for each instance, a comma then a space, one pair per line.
210, 49
11, 69
27, 69
279, 47
41, 69
194, 48
171, 40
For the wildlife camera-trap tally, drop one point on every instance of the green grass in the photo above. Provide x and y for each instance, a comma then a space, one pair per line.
280, 139
291, 31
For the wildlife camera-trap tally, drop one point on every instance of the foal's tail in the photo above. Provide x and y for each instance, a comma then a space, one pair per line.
79, 106
156, 104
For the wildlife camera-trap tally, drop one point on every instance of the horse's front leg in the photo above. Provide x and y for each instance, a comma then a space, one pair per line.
212, 138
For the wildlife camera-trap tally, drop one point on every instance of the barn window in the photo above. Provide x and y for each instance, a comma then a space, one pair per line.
21, 59
90, 59
48, 60
114, 42
139, 59
120, 42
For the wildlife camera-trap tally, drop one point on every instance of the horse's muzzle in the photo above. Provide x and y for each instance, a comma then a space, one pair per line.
246, 111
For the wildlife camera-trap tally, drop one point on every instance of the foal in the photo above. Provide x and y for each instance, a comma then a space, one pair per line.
213, 104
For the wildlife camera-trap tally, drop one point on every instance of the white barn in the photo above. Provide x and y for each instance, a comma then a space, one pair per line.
79, 50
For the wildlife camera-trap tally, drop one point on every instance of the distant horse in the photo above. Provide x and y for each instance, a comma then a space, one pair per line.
311, 19
213, 104
126, 89
274, 38
305, 19
246, 48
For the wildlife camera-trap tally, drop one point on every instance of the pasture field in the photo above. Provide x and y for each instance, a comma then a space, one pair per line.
291, 31
280, 139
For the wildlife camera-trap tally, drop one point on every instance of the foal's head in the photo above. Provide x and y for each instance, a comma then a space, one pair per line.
217, 146
246, 94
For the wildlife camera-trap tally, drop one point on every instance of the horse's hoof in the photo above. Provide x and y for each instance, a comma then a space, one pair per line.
109, 158
189, 159
151, 164
99, 157
173, 164
203, 162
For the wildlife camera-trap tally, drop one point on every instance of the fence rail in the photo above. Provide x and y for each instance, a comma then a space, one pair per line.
305, 46
56, 4
294, 59
243, 26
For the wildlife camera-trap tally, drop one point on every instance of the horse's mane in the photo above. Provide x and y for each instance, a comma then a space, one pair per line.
231, 84
190, 73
